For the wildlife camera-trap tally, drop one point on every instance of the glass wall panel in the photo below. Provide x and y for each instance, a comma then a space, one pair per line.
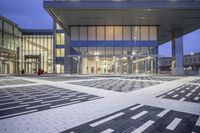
118, 50
109, 33
62, 53
101, 50
127, 33
82, 33
92, 50
92, 33
109, 50
60, 38
135, 33
100, 33
0, 24
74, 33
118, 32
153, 33
57, 52
144, 33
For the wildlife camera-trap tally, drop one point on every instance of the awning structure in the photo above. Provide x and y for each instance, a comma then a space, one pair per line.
176, 17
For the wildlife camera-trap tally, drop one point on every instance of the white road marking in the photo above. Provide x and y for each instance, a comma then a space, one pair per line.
136, 107
77, 99
108, 131
31, 102
106, 119
143, 127
182, 91
198, 122
65, 104
162, 96
189, 94
61, 99
196, 98
174, 124
175, 95
13, 107
170, 92
193, 90
38, 106
182, 99
10, 103
164, 112
139, 115
93, 98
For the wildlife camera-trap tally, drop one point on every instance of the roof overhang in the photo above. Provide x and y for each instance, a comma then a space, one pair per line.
172, 17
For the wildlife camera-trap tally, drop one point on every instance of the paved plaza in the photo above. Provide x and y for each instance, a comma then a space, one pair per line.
99, 104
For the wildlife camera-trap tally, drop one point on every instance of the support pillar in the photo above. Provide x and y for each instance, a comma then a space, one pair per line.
121, 67
79, 71
67, 59
130, 64
177, 56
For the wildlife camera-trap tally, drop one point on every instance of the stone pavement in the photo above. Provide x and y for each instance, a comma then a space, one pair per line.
98, 104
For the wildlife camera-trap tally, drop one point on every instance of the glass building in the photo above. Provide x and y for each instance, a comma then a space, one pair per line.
25, 50
100, 37
10, 38
120, 36
113, 49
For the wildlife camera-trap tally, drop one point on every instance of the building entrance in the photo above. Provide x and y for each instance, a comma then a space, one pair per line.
32, 64
98, 65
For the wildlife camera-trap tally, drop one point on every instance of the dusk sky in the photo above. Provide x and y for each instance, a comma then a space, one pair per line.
30, 14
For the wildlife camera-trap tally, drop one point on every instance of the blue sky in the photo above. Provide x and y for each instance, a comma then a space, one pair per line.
30, 14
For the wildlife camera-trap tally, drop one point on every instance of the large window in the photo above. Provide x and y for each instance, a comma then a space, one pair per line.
91, 33
127, 33
135, 33
153, 33
109, 33
74, 33
60, 38
100, 33
118, 32
83, 33
144, 33
60, 52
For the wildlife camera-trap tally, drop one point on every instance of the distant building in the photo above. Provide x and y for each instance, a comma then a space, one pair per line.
191, 63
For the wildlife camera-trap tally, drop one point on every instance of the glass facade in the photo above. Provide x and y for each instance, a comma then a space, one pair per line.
36, 52
10, 38
114, 49
90, 49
